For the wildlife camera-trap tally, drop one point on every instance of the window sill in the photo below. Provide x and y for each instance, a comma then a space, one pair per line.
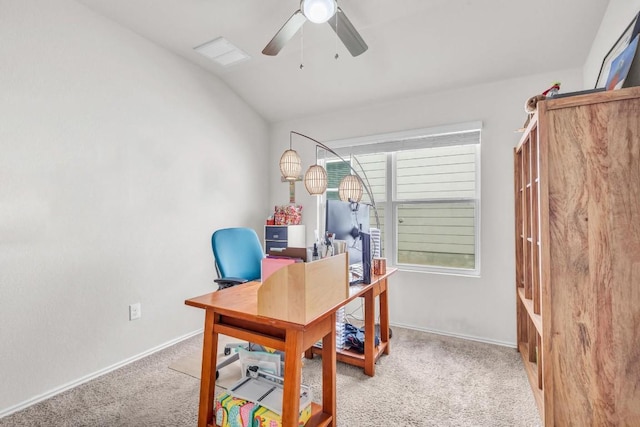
440, 271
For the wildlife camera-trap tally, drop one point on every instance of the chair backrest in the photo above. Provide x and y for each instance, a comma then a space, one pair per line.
238, 253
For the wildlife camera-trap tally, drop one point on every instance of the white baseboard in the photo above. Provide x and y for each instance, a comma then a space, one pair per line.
449, 334
39, 398
431, 331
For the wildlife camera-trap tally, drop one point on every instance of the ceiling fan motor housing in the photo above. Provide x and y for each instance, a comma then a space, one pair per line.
318, 11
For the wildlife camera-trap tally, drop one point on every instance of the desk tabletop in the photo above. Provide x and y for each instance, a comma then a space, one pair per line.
241, 301
360, 288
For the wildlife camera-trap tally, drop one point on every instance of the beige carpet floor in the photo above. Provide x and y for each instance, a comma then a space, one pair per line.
190, 364
427, 380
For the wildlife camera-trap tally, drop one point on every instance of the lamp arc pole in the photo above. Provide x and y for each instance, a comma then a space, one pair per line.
364, 181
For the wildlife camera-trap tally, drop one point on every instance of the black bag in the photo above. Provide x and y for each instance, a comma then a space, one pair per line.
354, 338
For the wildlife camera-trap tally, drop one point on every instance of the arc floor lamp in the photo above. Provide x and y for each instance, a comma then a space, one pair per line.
315, 178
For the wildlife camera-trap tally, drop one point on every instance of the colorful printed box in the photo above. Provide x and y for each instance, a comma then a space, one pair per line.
262, 417
233, 412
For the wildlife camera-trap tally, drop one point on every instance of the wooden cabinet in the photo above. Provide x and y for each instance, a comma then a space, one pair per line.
577, 210
282, 236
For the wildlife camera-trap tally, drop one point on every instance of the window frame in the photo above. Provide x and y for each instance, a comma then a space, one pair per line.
349, 147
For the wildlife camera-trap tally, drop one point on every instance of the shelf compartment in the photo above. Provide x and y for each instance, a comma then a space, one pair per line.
528, 305
532, 373
352, 357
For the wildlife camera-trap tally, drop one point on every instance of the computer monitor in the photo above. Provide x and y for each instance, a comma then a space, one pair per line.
346, 220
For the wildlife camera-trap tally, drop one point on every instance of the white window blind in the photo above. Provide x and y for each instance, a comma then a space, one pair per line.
428, 185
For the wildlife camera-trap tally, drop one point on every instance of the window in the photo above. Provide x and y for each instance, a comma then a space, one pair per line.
427, 182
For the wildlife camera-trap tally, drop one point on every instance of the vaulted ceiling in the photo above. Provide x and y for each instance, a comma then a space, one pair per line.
414, 45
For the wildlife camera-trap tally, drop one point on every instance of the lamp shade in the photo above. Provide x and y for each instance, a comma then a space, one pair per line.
315, 180
350, 189
290, 165
318, 11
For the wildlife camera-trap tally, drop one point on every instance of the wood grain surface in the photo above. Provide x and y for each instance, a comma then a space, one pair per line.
589, 217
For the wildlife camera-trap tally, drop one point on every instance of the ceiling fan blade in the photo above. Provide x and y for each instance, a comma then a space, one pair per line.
347, 33
288, 30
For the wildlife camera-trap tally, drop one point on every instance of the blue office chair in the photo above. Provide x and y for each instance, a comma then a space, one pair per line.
238, 259
238, 256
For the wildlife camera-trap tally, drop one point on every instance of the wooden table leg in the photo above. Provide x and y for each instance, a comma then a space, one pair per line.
208, 373
369, 333
292, 377
384, 315
329, 372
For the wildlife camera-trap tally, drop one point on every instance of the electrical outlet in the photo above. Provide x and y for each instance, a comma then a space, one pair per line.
135, 311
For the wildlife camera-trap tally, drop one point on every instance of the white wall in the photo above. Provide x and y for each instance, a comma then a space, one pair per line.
618, 15
481, 308
118, 160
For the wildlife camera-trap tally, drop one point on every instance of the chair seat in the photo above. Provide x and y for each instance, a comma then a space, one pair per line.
227, 282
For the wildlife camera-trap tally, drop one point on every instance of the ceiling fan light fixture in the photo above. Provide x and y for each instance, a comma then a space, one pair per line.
318, 11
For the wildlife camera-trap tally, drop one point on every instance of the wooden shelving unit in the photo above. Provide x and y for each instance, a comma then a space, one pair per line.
577, 211
528, 272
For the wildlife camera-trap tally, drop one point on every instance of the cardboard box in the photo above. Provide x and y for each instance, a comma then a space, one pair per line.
271, 265
302, 291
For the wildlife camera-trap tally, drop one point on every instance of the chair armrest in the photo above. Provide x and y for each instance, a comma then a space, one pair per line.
227, 282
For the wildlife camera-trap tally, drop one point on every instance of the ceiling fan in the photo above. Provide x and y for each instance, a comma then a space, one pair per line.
318, 12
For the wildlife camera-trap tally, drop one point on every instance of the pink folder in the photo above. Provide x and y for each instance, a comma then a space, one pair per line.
269, 265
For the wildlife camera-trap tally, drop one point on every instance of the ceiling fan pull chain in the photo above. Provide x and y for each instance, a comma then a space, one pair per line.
301, 48
336, 39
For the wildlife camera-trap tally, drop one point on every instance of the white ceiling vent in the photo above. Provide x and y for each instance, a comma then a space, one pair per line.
222, 52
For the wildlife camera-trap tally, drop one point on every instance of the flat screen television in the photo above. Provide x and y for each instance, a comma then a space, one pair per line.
345, 220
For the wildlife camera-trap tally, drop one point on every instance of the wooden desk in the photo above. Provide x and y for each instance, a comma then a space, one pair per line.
234, 312
377, 288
